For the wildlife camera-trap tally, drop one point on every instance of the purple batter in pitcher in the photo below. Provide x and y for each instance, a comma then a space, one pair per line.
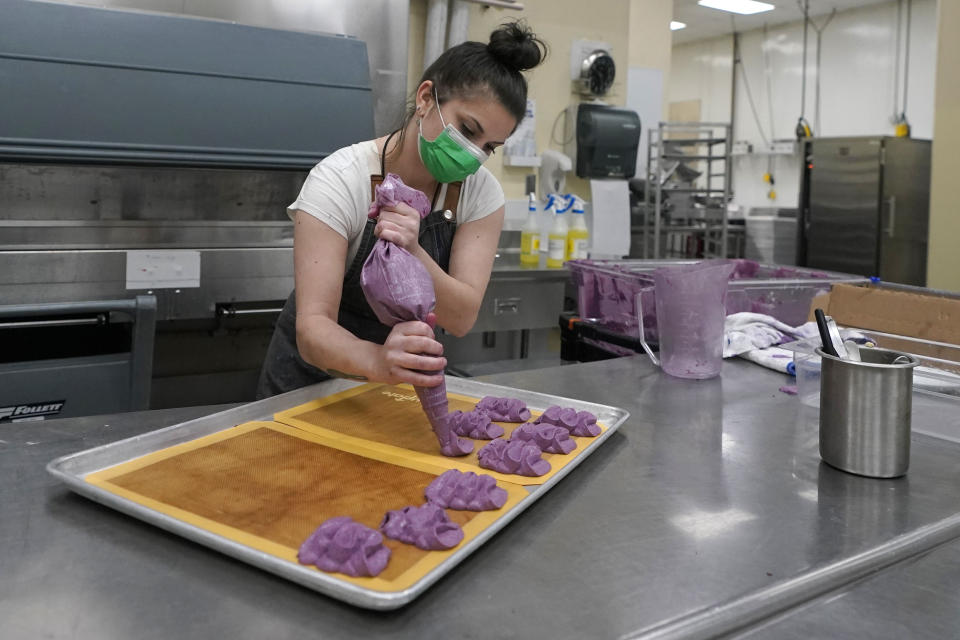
690, 313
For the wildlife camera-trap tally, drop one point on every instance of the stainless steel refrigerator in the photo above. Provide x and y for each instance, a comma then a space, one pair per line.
865, 206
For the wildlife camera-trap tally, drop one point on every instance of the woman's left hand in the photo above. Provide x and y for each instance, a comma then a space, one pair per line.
399, 225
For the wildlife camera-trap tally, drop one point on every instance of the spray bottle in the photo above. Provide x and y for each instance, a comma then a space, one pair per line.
557, 238
530, 235
578, 238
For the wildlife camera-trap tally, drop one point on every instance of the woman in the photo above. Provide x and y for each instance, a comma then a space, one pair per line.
468, 102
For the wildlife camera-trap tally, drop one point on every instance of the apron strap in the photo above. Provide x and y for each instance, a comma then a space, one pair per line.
375, 181
451, 200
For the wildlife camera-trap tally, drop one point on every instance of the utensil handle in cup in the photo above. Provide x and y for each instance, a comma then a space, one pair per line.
643, 337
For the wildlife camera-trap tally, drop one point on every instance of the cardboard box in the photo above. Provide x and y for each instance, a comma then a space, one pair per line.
923, 315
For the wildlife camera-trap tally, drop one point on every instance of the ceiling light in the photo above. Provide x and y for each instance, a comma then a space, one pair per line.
744, 7
675, 26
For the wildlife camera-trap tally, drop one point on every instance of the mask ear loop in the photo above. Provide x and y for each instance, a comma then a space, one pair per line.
477, 152
436, 101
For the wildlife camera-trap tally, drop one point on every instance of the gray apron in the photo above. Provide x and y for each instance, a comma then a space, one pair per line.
283, 368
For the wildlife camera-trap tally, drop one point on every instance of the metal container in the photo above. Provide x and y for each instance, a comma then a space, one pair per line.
865, 410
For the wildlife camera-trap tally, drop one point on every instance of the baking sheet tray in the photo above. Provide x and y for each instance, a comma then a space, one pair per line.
74, 471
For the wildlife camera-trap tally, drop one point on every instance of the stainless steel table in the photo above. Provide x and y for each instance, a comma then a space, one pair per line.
521, 297
707, 513
917, 599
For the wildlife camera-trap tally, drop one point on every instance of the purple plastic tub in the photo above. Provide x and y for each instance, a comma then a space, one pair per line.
607, 291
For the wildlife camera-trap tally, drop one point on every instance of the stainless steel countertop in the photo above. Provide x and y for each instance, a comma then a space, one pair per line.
507, 265
710, 506
917, 599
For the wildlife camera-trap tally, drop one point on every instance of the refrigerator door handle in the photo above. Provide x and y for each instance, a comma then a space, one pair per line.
892, 216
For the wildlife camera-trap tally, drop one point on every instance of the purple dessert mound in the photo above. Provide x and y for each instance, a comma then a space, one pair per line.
550, 438
427, 527
465, 491
474, 424
341, 545
504, 409
433, 400
523, 458
578, 423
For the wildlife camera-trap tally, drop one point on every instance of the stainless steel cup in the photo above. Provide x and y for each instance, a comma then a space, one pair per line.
865, 412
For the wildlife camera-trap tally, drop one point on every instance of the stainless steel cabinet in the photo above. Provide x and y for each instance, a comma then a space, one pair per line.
864, 207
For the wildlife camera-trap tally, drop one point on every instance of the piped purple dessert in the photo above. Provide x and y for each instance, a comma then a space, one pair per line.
474, 424
578, 423
435, 405
550, 438
399, 288
344, 546
504, 409
520, 457
427, 527
466, 491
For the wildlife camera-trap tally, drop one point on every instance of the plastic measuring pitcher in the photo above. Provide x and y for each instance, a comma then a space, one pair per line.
691, 308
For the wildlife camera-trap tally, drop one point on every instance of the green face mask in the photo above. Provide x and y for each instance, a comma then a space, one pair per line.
450, 157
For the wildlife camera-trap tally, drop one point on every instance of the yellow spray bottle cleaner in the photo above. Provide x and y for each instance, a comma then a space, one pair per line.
530, 235
578, 238
557, 238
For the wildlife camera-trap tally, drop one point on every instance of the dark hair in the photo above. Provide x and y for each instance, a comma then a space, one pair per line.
470, 68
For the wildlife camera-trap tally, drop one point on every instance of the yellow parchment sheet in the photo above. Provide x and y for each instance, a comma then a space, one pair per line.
383, 420
268, 486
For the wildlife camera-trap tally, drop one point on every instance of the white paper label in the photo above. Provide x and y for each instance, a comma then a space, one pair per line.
177, 269
556, 248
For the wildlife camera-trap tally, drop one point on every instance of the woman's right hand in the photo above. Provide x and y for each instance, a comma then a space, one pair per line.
411, 354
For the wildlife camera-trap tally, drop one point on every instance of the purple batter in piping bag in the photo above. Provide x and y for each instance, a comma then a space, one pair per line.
398, 288
504, 409
466, 491
513, 456
474, 424
578, 423
427, 527
344, 546
393, 191
550, 438
435, 405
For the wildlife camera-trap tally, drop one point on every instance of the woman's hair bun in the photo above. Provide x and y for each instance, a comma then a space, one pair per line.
516, 47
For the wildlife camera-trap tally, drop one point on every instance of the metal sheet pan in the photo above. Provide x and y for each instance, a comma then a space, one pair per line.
72, 469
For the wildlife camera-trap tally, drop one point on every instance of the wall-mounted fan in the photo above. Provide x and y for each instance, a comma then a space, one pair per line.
597, 72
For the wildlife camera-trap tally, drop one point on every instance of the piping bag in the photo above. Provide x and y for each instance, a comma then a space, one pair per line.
399, 288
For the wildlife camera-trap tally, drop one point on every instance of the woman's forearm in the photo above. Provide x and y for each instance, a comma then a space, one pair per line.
328, 346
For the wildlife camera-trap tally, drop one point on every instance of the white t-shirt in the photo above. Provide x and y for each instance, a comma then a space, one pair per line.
337, 192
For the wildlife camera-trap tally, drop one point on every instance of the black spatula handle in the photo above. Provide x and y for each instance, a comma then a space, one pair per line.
825, 333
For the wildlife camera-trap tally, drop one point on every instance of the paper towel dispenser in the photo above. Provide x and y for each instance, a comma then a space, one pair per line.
604, 142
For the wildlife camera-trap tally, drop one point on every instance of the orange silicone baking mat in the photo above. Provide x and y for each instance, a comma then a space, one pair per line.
268, 486
389, 420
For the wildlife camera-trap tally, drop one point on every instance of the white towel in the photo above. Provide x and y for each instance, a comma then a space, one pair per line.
772, 358
743, 332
